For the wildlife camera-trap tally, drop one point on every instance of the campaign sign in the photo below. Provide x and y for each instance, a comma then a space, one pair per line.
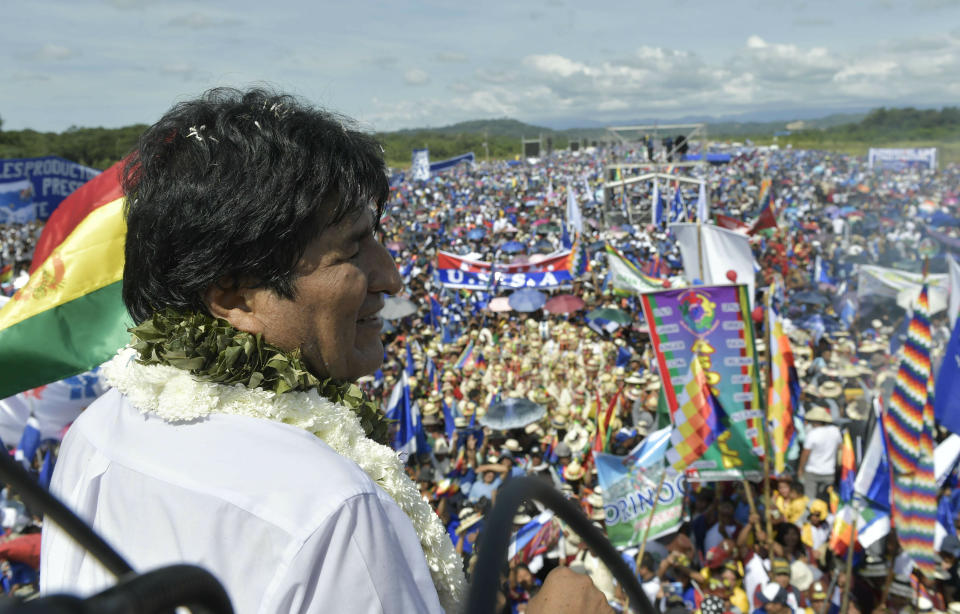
711, 324
455, 278
902, 158
629, 493
53, 179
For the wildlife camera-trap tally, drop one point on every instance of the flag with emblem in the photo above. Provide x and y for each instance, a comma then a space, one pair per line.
69, 317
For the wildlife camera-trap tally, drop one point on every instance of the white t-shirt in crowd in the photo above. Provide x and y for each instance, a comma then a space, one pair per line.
823, 442
284, 522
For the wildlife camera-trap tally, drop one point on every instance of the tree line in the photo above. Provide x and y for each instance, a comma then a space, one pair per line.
101, 147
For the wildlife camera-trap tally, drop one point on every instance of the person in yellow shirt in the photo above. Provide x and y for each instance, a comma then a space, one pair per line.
790, 499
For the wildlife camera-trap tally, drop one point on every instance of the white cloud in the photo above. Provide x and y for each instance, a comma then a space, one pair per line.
415, 76
52, 52
199, 21
553, 64
451, 57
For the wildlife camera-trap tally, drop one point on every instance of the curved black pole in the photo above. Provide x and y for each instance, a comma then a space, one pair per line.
37, 497
495, 542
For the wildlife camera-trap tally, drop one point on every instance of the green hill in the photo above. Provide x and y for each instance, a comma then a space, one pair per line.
852, 133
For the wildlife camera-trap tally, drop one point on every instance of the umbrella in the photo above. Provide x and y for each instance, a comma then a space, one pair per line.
811, 298
543, 246
396, 245
499, 304
476, 234
527, 300
395, 307
612, 314
541, 222
512, 247
548, 228
565, 303
512, 414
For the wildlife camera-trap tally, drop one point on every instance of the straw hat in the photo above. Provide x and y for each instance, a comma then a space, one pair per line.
819, 414
468, 522
830, 390
577, 438
573, 471
512, 445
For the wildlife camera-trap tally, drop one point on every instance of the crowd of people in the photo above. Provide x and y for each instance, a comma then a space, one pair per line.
16, 251
835, 215
732, 553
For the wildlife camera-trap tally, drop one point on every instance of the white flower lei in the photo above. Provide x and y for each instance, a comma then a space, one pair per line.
176, 396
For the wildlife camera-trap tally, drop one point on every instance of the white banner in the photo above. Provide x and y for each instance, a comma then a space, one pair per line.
420, 167
901, 286
722, 251
54, 406
897, 159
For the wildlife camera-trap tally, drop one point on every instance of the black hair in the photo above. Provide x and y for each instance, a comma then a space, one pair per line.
231, 188
647, 561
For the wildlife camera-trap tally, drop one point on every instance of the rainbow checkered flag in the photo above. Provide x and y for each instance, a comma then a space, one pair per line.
701, 437
909, 423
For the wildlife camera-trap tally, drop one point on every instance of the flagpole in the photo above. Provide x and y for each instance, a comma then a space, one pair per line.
653, 510
848, 568
767, 447
700, 252
826, 603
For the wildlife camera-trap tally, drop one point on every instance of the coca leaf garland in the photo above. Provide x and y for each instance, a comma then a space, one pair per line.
212, 350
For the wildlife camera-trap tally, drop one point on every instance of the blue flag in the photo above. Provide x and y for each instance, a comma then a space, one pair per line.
946, 402
448, 422
623, 357
29, 442
410, 435
410, 365
46, 471
678, 211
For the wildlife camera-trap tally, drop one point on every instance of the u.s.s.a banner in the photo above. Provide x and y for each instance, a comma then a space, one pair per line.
455, 278
711, 324
630, 496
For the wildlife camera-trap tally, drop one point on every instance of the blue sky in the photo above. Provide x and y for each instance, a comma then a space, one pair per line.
411, 64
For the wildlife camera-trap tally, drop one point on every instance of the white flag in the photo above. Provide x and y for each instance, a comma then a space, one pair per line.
721, 252
703, 209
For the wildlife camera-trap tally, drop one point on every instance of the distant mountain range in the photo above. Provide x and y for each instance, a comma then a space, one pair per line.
754, 124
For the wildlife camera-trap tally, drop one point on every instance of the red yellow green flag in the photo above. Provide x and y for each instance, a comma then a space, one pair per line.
69, 317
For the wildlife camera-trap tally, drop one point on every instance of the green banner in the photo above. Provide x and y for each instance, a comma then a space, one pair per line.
630, 496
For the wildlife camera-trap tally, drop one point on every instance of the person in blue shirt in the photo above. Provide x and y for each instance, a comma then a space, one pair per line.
490, 480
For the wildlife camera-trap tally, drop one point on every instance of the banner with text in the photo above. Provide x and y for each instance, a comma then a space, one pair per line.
711, 324
53, 179
455, 278
899, 159
553, 262
629, 492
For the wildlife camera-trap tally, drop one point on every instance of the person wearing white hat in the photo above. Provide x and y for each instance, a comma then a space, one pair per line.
818, 461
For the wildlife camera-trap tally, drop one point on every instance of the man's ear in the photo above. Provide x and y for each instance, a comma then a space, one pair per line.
235, 304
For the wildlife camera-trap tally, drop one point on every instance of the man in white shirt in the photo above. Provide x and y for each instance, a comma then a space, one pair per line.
818, 461
255, 277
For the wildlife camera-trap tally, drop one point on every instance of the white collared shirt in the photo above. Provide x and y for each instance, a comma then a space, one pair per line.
285, 523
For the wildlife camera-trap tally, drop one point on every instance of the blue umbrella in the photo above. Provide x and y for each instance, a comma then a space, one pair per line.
512, 414
527, 300
512, 247
476, 234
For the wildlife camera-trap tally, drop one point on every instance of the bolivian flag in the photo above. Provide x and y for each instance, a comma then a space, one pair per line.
70, 316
